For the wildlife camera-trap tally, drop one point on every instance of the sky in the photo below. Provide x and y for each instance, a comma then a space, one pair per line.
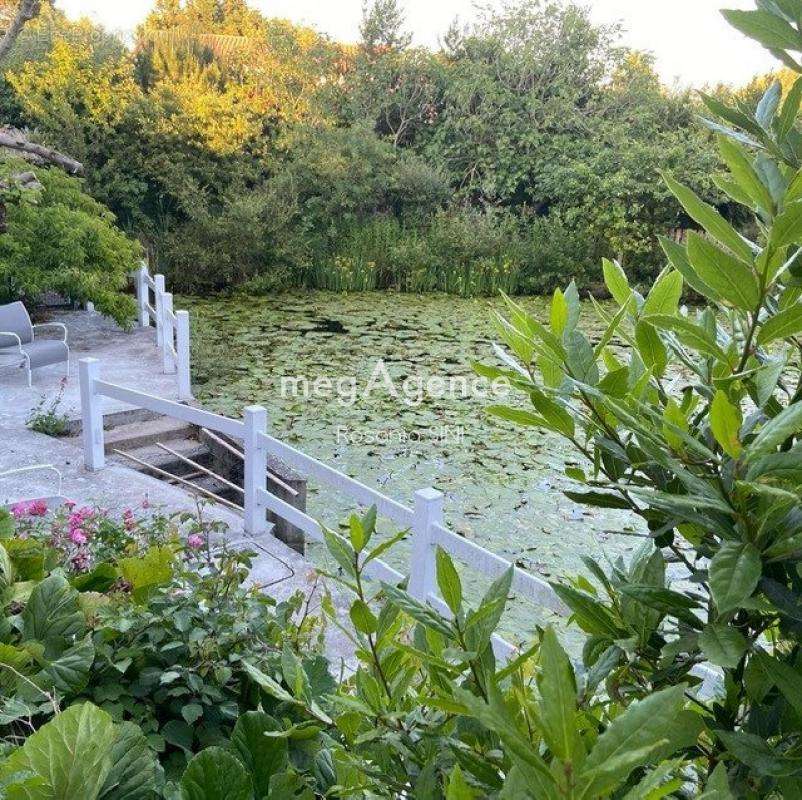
690, 40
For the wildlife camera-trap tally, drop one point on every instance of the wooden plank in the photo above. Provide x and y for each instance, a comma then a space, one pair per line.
170, 408
234, 451
204, 470
307, 465
181, 480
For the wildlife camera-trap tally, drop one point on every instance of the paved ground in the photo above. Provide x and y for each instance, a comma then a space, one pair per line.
130, 359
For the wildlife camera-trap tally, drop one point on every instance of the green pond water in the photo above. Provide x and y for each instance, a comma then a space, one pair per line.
502, 483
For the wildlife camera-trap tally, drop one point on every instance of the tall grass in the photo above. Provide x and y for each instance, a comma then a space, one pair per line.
467, 252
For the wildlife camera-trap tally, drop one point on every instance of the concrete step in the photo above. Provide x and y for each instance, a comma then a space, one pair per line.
115, 419
134, 435
189, 448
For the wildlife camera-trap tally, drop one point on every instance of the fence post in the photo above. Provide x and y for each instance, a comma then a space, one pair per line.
182, 348
422, 566
91, 415
142, 295
159, 296
255, 477
168, 334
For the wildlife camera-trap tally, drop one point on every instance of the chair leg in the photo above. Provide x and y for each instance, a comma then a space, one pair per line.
30, 382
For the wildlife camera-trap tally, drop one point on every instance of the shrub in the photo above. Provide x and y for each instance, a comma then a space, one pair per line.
46, 417
61, 240
691, 420
247, 241
145, 616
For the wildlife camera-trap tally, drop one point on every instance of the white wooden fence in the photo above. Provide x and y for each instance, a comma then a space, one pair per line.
425, 520
172, 327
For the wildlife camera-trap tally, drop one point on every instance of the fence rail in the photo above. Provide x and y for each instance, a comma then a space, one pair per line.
172, 327
425, 520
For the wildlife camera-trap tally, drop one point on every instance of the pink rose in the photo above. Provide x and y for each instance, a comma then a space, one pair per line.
77, 536
38, 508
20, 510
195, 541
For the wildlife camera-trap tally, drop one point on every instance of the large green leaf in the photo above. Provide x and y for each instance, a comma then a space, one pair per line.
781, 325
745, 174
734, 574
725, 422
589, 613
556, 415
758, 754
677, 255
459, 788
133, 766
790, 109
420, 612
777, 430
52, 615
557, 688
481, 623
616, 281
787, 226
448, 580
262, 755
69, 673
215, 774
72, 753
497, 717
722, 644
711, 221
144, 573
769, 29
651, 348
690, 334
729, 277
665, 295
784, 677
768, 105
660, 782
666, 601
717, 786
629, 741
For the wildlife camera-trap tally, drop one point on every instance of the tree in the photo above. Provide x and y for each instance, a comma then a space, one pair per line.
17, 140
382, 26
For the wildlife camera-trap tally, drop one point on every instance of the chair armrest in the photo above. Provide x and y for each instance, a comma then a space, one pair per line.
17, 344
53, 325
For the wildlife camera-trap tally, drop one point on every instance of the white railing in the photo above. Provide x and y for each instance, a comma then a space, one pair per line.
172, 327
425, 520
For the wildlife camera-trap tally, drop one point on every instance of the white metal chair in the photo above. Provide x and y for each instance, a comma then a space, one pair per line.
18, 341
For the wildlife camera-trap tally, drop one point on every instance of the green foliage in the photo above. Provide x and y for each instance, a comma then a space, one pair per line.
150, 629
248, 152
691, 421
63, 241
47, 418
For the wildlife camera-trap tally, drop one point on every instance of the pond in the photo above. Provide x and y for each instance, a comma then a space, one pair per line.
502, 483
